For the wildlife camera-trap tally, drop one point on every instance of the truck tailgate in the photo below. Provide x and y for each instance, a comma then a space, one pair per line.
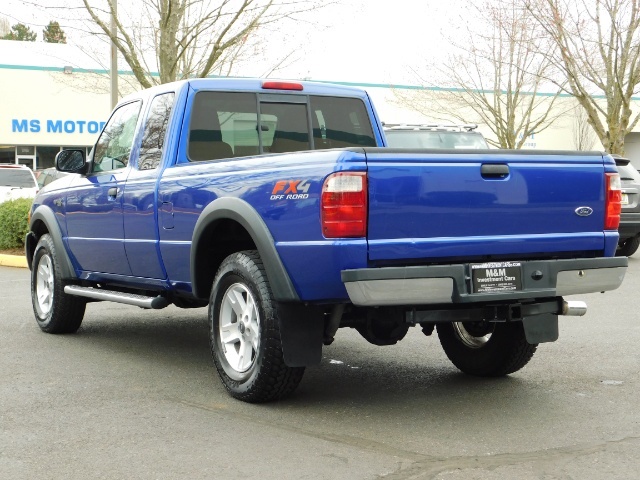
443, 203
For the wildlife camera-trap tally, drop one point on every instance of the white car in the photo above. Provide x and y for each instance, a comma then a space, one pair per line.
17, 181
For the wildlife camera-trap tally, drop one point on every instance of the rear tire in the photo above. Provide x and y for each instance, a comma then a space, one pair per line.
486, 349
628, 247
55, 311
245, 332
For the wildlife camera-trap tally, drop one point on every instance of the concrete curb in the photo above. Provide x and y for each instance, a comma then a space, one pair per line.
13, 261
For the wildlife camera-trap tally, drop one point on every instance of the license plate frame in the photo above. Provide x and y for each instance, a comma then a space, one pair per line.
496, 277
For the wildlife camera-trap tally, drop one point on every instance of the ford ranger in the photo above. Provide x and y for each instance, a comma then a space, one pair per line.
279, 206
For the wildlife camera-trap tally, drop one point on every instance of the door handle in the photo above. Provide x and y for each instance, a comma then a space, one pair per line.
492, 170
112, 192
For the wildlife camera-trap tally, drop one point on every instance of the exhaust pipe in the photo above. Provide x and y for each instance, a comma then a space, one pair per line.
334, 323
574, 308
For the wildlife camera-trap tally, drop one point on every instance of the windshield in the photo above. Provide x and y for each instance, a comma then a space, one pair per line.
13, 177
434, 139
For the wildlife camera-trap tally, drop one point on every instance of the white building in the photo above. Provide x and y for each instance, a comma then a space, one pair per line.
55, 96
52, 96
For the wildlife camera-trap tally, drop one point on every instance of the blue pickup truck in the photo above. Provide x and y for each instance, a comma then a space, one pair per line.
279, 206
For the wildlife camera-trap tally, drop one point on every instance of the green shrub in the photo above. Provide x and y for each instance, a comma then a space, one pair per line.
14, 222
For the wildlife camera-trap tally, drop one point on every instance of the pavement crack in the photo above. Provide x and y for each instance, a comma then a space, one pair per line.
348, 440
429, 468
419, 466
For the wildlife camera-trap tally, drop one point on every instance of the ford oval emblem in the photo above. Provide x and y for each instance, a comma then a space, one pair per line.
584, 211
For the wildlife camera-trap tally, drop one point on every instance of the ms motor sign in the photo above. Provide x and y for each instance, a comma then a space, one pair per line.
496, 277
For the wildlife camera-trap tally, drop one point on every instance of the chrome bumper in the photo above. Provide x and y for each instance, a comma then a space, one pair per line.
441, 284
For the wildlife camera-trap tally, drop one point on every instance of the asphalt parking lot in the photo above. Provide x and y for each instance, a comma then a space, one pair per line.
134, 395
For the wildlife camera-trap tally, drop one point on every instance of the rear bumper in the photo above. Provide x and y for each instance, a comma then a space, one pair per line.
442, 284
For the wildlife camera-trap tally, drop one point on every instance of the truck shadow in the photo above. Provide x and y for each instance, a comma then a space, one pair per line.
414, 373
395, 400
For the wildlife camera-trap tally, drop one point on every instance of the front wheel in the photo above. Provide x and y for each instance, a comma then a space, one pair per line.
486, 349
55, 311
245, 332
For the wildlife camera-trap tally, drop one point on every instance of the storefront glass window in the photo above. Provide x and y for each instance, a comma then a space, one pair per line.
8, 154
45, 157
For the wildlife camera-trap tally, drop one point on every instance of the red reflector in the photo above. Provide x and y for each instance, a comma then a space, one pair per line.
613, 201
344, 205
281, 86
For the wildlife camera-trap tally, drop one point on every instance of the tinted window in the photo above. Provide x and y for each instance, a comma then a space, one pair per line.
289, 123
154, 131
114, 145
225, 125
340, 122
15, 177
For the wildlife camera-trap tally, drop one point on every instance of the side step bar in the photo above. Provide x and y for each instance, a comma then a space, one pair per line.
155, 303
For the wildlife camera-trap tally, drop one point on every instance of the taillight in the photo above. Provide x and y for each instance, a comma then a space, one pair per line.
271, 85
613, 201
344, 205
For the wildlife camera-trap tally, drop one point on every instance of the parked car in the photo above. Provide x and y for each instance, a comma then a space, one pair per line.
629, 228
278, 205
434, 136
48, 175
17, 181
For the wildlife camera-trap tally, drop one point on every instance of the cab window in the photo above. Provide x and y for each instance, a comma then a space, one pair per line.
114, 145
233, 124
154, 131
340, 122
223, 125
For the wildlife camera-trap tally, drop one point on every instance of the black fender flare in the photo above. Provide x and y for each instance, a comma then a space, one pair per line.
236, 209
47, 216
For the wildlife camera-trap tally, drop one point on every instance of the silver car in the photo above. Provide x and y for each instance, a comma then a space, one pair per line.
630, 216
434, 136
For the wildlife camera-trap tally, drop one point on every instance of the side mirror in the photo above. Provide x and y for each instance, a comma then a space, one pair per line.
71, 161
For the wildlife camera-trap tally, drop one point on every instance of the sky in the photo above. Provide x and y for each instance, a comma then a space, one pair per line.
350, 41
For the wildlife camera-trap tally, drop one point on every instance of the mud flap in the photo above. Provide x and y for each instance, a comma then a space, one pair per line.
301, 334
541, 328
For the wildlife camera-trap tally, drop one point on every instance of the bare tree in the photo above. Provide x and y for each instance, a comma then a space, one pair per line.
583, 136
599, 54
495, 76
5, 27
190, 38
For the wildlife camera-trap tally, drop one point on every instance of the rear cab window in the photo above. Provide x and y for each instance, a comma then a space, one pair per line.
234, 124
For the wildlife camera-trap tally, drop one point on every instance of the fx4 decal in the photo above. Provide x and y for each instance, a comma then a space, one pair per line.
290, 190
